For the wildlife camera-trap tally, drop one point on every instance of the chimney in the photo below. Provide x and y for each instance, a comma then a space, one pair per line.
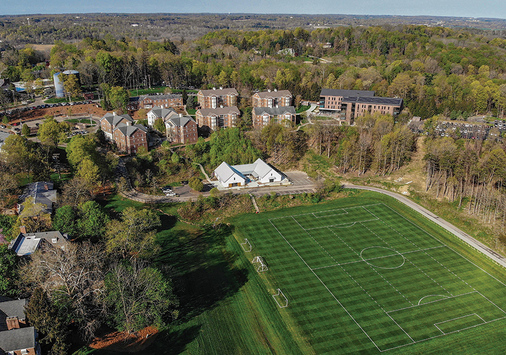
22, 229
275, 90
180, 115
12, 323
114, 113
221, 106
221, 87
214, 88
268, 90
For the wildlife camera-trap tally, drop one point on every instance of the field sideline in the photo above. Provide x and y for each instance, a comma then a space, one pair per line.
369, 275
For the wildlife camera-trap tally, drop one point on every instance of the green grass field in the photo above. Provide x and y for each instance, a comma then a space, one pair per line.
369, 275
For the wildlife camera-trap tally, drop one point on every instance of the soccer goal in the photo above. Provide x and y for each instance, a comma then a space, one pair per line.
262, 266
280, 299
246, 246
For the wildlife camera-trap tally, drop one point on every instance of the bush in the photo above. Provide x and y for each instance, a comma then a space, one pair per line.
196, 184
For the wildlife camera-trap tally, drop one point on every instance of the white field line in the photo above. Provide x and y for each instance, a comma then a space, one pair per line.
341, 210
347, 224
420, 300
378, 257
447, 245
414, 244
451, 320
326, 287
307, 214
401, 309
325, 250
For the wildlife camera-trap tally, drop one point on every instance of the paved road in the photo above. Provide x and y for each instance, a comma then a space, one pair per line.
501, 260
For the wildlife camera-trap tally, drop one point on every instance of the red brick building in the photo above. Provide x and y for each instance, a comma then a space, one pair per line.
216, 98
130, 138
222, 117
182, 129
165, 100
262, 116
272, 98
16, 337
110, 121
350, 104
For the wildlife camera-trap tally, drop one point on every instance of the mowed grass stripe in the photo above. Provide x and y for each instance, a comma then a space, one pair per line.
356, 319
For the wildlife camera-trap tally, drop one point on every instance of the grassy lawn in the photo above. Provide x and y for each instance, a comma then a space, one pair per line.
81, 120
191, 111
57, 100
303, 108
368, 275
361, 274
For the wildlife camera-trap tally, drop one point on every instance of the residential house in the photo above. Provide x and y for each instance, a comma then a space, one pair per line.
182, 129
41, 192
262, 116
214, 118
272, 98
130, 138
110, 122
16, 337
26, 244
350, 104
165, 100
160, 112
241, 175
217, 98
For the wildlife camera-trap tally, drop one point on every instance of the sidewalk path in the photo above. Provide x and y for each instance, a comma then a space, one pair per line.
501, 260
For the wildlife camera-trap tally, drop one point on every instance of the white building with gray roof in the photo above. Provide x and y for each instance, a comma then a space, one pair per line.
255, 174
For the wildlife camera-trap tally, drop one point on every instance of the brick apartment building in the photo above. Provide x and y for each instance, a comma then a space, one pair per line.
222, 117
181, 129
160, 112
262, 116
16, 337
272, 98
110, 122
216, 98
350, 104
130, 138
165, 101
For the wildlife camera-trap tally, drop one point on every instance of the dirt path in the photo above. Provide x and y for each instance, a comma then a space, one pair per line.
501, 260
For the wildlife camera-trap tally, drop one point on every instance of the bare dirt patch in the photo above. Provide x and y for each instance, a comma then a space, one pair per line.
123, 342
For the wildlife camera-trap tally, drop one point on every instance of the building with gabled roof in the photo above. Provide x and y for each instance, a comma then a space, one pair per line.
272, 98
41, 192
26, 244
214, 118
130, 138
12, 314
160, 112
217, 98
262, 116
110, 121
16, 337
181, 129
161, 100
241, 175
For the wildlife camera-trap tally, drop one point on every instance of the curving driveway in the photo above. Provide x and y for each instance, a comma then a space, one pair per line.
501, 260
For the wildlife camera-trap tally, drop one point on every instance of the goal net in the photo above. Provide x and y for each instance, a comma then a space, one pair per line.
262, 266
280, 299
246, 246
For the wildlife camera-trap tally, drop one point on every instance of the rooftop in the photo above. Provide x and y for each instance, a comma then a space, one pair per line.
346, 93
219, 92
275, 111
219, 111
269, 94
11, 308
18, 339
27, 243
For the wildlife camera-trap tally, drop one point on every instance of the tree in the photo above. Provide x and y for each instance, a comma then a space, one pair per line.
92, 220
8, 272
89, 172
71, 85
49, 321
159, 125
133, 236
140, 295
51, 132
118, 97
75, 192
25, 130
196, 184
65, 221
74, 279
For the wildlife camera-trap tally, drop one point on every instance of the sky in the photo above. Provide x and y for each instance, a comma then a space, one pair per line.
456, 8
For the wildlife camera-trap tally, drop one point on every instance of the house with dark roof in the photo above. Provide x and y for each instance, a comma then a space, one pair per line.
181, 129
350, 104
217, 98
26, 244
130, 138
110, 122
16, 337
214, 118
272, 98
41, 192
160, 112
262, 116
161, 100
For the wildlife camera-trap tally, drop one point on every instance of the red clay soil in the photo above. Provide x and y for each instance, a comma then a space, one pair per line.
75, 110
123, 342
